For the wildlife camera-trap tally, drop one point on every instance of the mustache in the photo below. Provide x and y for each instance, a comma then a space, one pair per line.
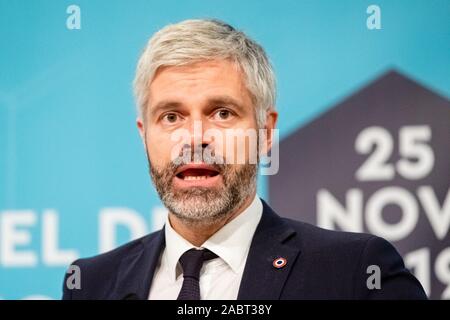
198, 154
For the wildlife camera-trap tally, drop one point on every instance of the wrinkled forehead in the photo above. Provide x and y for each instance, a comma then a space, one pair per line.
198, 83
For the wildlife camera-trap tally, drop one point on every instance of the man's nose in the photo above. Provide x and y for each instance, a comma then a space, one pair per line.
197, 133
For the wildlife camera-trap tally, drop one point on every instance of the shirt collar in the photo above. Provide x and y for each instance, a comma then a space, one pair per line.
231, 243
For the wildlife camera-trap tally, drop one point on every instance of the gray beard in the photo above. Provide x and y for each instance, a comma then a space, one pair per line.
206, 206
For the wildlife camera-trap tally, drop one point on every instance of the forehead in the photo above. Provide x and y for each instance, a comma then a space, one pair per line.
198, 81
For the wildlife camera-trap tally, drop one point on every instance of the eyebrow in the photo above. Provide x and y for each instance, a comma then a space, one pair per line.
164, 105
214, 100
226, 100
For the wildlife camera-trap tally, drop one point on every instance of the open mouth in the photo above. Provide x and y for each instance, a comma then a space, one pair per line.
196, 172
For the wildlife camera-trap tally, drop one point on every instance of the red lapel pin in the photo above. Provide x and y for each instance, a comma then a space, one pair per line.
279, 262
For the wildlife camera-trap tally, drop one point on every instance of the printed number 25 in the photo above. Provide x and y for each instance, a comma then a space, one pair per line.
417, 157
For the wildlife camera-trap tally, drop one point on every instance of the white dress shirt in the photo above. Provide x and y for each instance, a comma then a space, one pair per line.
220, 278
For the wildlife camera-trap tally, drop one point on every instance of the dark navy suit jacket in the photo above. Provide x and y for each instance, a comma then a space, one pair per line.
321, 264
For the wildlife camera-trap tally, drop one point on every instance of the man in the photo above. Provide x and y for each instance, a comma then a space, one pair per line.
197, 81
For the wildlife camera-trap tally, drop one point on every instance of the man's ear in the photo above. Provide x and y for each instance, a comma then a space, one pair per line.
271, 121
140, 125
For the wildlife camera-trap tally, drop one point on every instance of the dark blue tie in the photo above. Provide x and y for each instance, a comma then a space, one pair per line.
192, 261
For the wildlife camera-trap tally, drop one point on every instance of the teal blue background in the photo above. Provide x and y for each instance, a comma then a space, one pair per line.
67, 118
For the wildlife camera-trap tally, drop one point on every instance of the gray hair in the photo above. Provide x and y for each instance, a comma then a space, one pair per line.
196, 40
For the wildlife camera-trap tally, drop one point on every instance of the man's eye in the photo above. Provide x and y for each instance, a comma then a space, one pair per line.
223, 114
170, 117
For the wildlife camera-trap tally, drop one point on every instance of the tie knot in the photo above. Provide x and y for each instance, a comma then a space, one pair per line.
192, 261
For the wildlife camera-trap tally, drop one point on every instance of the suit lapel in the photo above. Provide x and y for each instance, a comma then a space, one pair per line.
136, 271
273, 239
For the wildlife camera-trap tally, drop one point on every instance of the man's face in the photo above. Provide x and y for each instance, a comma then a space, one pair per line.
187, 104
